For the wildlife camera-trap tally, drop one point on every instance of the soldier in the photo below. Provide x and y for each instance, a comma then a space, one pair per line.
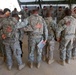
74, 44
74, 12
2, 49
51, 38
66, 34
39, 28
59, 13
15, 11
52, 12
39, 11
24, 13
20, 31
44, 11
11, 40
49, 48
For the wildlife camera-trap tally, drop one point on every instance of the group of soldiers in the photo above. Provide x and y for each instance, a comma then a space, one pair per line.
44, 29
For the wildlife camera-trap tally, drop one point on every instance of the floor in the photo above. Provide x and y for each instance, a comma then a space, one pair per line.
45, 69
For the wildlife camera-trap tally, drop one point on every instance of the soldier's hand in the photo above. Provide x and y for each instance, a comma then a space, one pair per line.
3, 36
7, 13
58, 39
44, 42
68, 23
9, 29
38, 25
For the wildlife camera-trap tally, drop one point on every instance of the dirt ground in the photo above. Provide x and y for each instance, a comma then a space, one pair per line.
45, 69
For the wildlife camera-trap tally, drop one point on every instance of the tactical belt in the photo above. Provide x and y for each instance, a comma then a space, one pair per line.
70, 34
35, 34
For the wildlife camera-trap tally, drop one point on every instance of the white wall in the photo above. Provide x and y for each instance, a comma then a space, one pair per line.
11, 4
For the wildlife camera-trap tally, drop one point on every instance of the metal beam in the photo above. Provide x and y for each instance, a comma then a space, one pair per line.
40, 7
45, 2
19, 3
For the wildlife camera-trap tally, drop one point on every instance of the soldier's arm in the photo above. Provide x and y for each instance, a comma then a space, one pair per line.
45, 30
1, 23
0, 26
22, 24
53, 25
75, 28
60, 28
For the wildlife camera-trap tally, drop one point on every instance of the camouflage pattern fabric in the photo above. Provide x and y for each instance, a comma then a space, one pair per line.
11, 43
8, 28
59, 15
74, 43
66, 33
49, 48
39, 28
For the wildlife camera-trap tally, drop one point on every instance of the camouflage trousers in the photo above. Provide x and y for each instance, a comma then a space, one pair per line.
2, 49
33, 48
13, 49
48, 49
65, 48
74, 49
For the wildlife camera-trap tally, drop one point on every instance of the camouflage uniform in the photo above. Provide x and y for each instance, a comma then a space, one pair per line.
59, 15
50, 42
74, 44
2, 52
11, 42
36, 35
1, 42
24, 14
66, 33
44, 12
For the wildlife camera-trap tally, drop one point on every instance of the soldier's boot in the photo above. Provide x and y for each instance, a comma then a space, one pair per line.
74, 53
68, 61
20, 67
38, 65
73, 57
62, 62
44, 58
9, 67
50, 61
50, 58
31, 64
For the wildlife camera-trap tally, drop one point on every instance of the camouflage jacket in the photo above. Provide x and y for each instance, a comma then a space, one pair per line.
14, 35
8, 28
66, 27
59, 15
24, 14
38, 25
1, 29
51, 27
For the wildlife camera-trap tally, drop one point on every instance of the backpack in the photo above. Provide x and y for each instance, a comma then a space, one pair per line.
8, 28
